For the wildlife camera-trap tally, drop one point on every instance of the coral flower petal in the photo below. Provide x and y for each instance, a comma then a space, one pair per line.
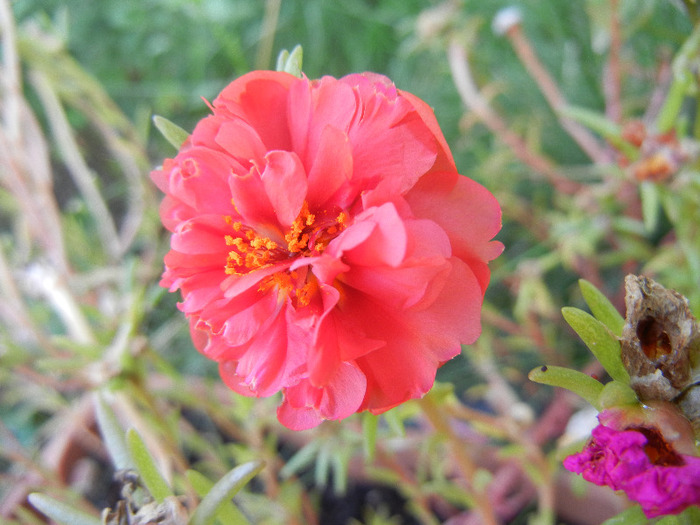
305, 406
332, 169
324, 244
469, 214
285, 184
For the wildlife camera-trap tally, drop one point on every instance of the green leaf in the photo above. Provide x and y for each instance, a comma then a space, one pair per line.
171, 131
650, 205
632, 516
146, 467
228, 512
604, 127
602, 308
370, 423
223, 491
322, 466
60, 512
339, 466
617, 394
282, 60
291, 62
301, 459
601, 342
395, 421
690, 516
683, 82
482, 478
113, 435
573, 380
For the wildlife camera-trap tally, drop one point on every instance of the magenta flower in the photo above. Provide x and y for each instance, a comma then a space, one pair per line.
640, 462
324, 244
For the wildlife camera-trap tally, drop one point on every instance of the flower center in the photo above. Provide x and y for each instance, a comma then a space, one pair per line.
657, 450
250, 251
308, 236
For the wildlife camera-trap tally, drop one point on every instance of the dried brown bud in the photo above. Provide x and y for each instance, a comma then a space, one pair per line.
131, 509
659, 338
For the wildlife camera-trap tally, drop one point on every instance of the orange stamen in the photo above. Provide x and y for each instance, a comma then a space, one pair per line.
308, 235
251, 252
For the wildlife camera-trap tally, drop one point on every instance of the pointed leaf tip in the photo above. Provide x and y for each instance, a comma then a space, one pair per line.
113, 434
601, 307
573, 380
60, 512
146, 466
291, 62
224, 490
601, 342
171, 131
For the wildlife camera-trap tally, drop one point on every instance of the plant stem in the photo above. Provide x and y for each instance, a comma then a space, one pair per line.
473, 99
612, 79
267, 34
586, 141
464, 462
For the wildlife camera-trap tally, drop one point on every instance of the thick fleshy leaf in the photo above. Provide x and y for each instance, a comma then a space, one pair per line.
146, 466
370, 424
573, 380
651, 205
291, 62
607, 129
227, 512
223, 490
171, 131
602, 308
631, 516
604, 346
60, 512
617, 394
113, 434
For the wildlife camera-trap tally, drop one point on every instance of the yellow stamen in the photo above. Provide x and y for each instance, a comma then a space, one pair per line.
251, 252
308, 235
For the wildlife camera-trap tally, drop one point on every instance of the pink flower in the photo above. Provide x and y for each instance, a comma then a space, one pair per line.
640, 462
324, 244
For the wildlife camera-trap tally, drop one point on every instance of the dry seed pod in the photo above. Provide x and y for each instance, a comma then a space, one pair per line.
659, 340
689, 403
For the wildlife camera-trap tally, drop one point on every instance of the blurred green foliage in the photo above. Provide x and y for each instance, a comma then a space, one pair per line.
160, 57
164, 55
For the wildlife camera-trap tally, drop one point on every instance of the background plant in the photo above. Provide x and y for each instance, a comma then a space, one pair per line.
553, 137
